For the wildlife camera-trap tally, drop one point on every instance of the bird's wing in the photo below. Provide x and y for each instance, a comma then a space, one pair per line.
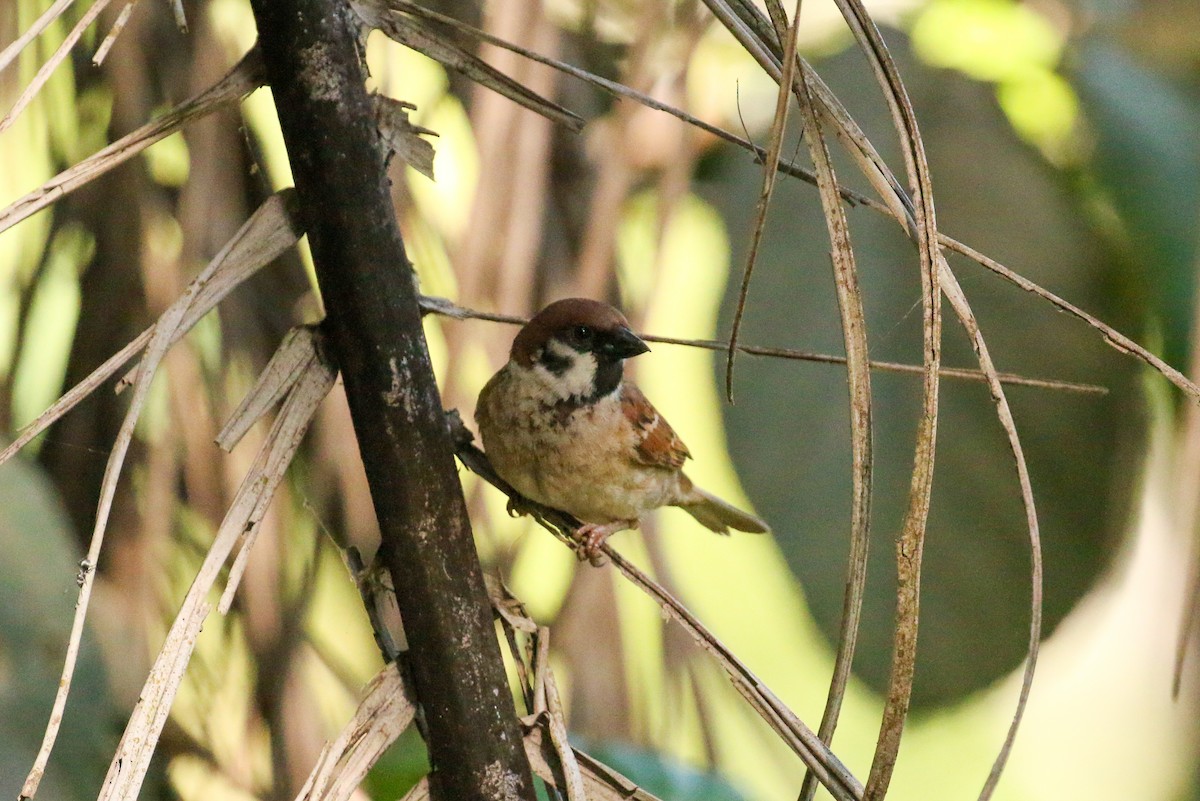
657, 444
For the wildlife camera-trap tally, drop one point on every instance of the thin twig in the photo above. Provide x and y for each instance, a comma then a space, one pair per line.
113, 33
447, 308
783, 102
1111, 336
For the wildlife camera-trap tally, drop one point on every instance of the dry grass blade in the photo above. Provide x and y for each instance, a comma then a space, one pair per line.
444, 307
620, 90
774, 147
804, 742
419, 792
752, 32
554, 760
180, 15
383, 714
43, 74
270, 231
9, 54
167, 330
113, 33
606, 784
854, 335
245, 77
156, 349
548, 707
293, 356
411, 33
600, 782
128, 768
312, 385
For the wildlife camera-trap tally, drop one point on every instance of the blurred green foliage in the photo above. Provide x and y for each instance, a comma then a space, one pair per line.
1146, 164
37, 597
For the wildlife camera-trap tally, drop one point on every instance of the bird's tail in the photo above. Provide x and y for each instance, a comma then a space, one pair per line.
719, 516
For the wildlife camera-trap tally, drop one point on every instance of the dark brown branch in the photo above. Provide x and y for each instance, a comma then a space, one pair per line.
374, 327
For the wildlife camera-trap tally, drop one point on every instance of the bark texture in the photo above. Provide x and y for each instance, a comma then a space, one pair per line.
374, 326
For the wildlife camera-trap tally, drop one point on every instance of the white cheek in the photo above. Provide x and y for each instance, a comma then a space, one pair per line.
577, 380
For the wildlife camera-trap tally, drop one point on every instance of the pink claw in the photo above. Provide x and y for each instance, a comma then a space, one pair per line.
593, 535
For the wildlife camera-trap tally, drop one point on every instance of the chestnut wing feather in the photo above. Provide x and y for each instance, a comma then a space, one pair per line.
657, 443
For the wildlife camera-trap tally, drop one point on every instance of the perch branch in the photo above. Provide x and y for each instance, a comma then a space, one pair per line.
829, 770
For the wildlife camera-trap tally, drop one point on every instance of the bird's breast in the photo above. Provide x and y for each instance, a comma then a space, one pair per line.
574, 458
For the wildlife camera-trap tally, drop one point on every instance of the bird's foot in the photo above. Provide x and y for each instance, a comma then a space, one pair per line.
593, 535
518, 506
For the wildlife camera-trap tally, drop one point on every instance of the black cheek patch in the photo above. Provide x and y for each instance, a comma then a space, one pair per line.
556, 364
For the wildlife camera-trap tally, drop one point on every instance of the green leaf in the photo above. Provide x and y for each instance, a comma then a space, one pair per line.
664, 777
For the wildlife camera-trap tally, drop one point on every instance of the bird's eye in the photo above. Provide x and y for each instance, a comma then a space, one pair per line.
582, 333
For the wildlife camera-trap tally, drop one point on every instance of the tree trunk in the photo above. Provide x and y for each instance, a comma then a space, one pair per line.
374, 325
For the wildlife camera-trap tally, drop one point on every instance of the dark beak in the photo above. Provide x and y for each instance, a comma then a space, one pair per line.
622, 344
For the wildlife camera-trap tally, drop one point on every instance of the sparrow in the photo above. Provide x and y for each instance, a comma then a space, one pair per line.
563, 426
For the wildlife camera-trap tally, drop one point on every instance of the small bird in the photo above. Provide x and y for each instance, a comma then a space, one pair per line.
562, 425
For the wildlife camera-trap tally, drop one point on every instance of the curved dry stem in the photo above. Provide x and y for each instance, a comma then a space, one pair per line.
854, 335
962, 308
267, 232
775, 145
1112, 336
911, 542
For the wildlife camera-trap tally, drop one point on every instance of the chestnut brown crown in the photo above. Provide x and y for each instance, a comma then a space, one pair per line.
585, 325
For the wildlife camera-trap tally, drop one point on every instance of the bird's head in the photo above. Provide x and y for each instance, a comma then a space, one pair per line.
578, 347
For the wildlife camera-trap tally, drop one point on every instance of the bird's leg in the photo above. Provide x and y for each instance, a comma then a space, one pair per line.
593, 535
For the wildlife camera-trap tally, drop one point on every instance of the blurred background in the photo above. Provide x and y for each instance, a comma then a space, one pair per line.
1061, 135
